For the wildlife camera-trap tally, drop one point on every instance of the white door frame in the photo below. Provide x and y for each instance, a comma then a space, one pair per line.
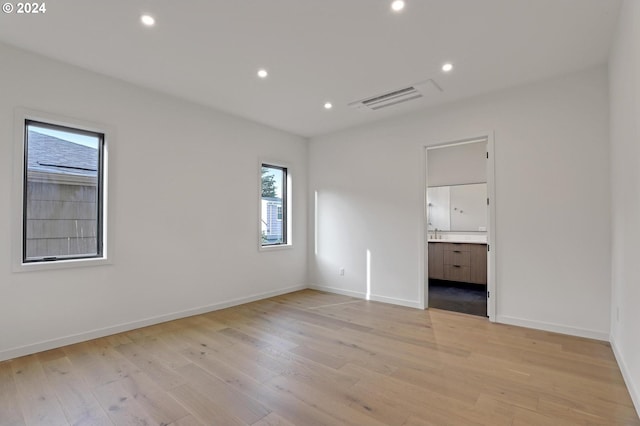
491, 223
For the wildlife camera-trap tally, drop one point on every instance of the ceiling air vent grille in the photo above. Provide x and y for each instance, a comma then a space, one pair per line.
396, 97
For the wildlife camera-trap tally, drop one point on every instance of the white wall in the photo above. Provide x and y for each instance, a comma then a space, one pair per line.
552, 209
184, 192
457, 165
624, 67
439, 205
469, 207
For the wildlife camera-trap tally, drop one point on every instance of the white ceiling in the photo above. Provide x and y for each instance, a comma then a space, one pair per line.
209, 51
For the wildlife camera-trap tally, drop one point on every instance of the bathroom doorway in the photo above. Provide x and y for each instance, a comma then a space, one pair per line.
459, 230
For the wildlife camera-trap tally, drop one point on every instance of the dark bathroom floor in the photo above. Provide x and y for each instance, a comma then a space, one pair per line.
458, 297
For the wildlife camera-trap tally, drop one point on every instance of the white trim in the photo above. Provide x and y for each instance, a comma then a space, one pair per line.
458, 143
274, 247
361, 295
20, 115
492, 302
393, 301
423, 263
120, 328
336, 290
62, 264
556, 328
631, 387
423, 289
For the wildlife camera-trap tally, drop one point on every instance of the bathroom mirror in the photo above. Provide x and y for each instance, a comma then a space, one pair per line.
457, 207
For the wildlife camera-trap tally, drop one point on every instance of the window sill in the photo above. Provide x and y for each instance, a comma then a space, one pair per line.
61, 264
275, 247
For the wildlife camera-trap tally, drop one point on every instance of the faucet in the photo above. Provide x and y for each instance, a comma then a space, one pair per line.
435, 234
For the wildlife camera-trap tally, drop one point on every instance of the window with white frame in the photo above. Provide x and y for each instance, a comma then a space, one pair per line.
273, 199
63, 193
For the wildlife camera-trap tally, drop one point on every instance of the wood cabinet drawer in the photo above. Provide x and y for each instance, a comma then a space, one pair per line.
457, 273
456, 247
457, 257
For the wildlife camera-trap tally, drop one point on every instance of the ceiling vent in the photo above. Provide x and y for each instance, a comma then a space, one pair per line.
398, 96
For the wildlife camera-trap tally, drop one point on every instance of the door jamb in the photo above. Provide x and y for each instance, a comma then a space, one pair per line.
491, 224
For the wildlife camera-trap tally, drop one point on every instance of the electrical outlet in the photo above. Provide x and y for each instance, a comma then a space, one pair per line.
341, 271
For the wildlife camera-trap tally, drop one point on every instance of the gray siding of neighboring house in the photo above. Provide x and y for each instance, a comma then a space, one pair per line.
61, 219
273, 225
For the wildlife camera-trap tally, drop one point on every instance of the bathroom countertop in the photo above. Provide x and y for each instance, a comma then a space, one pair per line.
457, 240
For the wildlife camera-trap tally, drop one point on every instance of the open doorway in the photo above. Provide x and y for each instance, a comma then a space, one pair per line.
458, 265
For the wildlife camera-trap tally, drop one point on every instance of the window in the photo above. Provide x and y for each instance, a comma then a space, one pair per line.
63, 192
273, 205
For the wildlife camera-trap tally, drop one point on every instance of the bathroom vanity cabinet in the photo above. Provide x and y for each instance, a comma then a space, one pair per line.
462, 262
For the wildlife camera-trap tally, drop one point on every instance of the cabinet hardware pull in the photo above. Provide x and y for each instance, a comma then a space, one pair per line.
456, 266
457, 251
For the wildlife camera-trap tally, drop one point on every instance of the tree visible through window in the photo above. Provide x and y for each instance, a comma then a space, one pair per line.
63, 193
274, 205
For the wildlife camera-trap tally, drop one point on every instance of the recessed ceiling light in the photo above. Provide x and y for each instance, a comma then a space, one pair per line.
148, 20
397, 5
262, 73
447, 67
328, 105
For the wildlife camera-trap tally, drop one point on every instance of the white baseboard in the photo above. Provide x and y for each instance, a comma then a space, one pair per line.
335, 290
556, 328
375, 298
631, 386
119, 328
393, 301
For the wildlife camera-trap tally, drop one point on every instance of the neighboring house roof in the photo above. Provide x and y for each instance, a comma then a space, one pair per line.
279, 200
48, 154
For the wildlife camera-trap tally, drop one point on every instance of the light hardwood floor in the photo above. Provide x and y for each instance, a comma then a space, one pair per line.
311, 358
